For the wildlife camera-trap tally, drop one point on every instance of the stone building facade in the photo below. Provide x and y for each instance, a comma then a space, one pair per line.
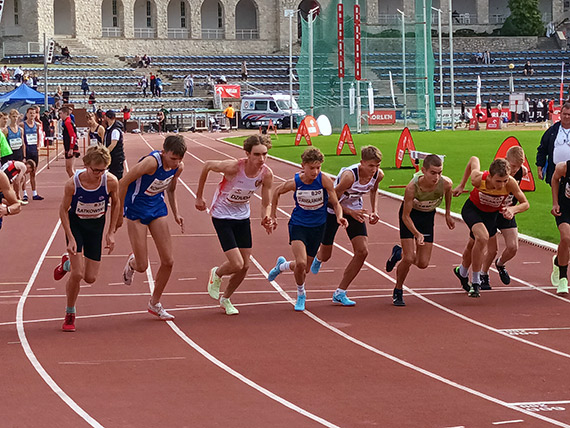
208, 27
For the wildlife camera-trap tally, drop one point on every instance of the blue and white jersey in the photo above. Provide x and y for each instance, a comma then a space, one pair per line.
352, 197
31, 138
89, 204
310, 203
147, 192
15, 138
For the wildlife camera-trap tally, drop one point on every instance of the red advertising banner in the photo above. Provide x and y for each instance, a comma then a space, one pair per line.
527, 182
345, 137
382, 117
340, 28
228, 91
473, 124
504, 113
303, 132
405, 143
357, 53
493, 122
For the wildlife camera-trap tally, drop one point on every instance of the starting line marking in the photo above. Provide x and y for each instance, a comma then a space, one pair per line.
515, 421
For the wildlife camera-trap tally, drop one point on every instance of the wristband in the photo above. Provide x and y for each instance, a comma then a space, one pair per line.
8, 210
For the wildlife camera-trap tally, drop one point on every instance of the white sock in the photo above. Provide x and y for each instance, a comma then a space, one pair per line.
300, 289
339, 291
285, 267
25, 193
476, 278
317, 259
35, 192
223, 299
463, 271
484, 273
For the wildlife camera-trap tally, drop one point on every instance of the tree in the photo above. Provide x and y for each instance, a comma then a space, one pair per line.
525, 19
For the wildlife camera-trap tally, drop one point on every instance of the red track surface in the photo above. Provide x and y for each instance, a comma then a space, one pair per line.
442, 361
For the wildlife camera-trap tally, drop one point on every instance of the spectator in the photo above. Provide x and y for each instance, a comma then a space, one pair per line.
455, 16
534, 111
34, 79
18, 74
545, 110
210, 82
230, 114
486, 57
525, 111
84, 85
158, 86
188, 86
540, 108
152, 80
65, 53
92, 100
114, 142
221, 80
463, 114
145, 61
528, 70
160, 121
143, 84
243, 70
4, 74
479, 57
488, 108
126, 117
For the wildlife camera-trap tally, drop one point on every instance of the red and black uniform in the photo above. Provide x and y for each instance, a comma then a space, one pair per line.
502, 222
70, 138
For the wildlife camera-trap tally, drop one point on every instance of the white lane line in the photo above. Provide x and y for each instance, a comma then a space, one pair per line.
26, 345
405, 363
536, 329
539, 403
128, 360
235, 373
514, 421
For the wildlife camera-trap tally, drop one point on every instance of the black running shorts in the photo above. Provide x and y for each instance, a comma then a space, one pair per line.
310, 236
354, 229
423, 221
473, 215
233, 233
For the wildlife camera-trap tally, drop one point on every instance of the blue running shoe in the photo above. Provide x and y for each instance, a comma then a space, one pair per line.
275, 271
395, 257
342, 299
316, 266
300, 304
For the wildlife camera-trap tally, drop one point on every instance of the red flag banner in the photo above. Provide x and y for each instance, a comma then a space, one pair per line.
527, 183
228, 91
405, 143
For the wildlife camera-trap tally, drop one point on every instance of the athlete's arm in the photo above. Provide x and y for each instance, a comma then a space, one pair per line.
266, 185
287, 186
447, 187
113, 188
328, 185
11, 205
374, 217
406, 211
68, 191
228, 168
24, 141
171, 193
101, 133
114, 141
72, 135
559, 172
472, 166
523, 205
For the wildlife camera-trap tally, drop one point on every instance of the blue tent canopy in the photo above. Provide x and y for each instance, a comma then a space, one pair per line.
24, 93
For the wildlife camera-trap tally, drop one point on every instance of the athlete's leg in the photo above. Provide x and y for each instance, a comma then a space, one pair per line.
423, 255
299, 266
69, 166
32, 181
360, 248
408, 259
72, 286
238, 276
480, 246
91, 270
234, 263
511, 236
161, 236
137, 236
466, 258
325, 253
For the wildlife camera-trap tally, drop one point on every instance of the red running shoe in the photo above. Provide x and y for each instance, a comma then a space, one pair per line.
69, 323
59, 272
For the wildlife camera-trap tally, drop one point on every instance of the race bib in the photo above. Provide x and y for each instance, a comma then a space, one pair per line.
93, 142
90, 210
493, 201
427, 206
32, 139
239, 196
310, 199
158, 186
567, 190
509, 200
15, 143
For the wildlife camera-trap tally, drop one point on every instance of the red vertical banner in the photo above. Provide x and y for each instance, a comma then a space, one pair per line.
357, 57
340, 29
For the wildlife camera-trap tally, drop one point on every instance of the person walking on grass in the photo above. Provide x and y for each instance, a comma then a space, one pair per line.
312, 191
351, 184
141, 193
231, 212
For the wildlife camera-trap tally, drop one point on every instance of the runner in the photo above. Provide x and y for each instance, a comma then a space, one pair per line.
350, 185
83, 212
231, 212
560, 183
312, 191
15, 138
16, 171
32, 137
141, 192
5, 149
423, 195
515, 158
490, 190
96, 130
69, 140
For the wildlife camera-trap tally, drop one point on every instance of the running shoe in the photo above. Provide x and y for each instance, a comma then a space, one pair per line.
69, 323
159, 311
300, 304
37, 198
463, 279
395, 257
342, 299
128, 271
485, 282
275, 271
398, 297
228, 307
60, 271
503, 274
23, 202
25, 198
316, 266
562, 288
214, 284
474, 290
555, 276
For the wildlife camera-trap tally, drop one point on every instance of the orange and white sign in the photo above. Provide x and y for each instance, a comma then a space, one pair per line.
527, 182
345, 137
303, 132
405, 143
312, 126
228, 91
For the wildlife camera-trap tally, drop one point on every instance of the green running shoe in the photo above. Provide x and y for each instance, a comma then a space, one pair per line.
555, 277
214, 284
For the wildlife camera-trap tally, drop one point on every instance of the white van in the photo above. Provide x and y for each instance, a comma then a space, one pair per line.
258, 109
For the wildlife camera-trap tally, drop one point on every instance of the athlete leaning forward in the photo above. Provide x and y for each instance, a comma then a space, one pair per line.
487, 200
561, 210
231, 212
312, 191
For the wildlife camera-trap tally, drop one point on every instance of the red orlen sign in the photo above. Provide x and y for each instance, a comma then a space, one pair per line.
228, 91
382, 117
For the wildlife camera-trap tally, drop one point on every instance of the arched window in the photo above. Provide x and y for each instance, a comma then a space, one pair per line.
304, 8
145, 21
112, 18
212, 13
178, 19
64, 17
246, 20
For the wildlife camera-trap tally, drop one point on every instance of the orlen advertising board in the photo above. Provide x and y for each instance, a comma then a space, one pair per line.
382, 117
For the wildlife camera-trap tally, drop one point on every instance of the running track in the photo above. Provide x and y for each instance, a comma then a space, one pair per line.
442, 361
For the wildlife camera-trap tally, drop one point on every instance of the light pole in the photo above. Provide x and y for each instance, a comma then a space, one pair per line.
426, 77
451, 76
311, 70
402, 17
289, 14
440, 67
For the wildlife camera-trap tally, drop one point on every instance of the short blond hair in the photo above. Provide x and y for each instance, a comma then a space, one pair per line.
515, 154
368, 153
96, 155
311, 155
499, 167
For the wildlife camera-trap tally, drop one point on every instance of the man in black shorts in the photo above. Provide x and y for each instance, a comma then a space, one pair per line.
561, 210
70, 146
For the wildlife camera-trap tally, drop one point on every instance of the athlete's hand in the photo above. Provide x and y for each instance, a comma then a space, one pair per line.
110, 238
180, 221
450, 221
72, 247
70, 153
540, 174
457, 191
342, 221
359, 215
200, 204
556, 210
273, 223
267, 223
420, 239
507, 212
373, 218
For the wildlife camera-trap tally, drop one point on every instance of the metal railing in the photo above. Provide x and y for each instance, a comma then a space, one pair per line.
145, 33
178, 33
213, 33
247, 34
388, 19
111, 32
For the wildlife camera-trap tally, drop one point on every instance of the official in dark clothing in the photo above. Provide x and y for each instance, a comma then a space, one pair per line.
114, 142
554, 145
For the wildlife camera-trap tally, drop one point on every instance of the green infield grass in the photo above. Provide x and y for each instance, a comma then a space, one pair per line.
457, 146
